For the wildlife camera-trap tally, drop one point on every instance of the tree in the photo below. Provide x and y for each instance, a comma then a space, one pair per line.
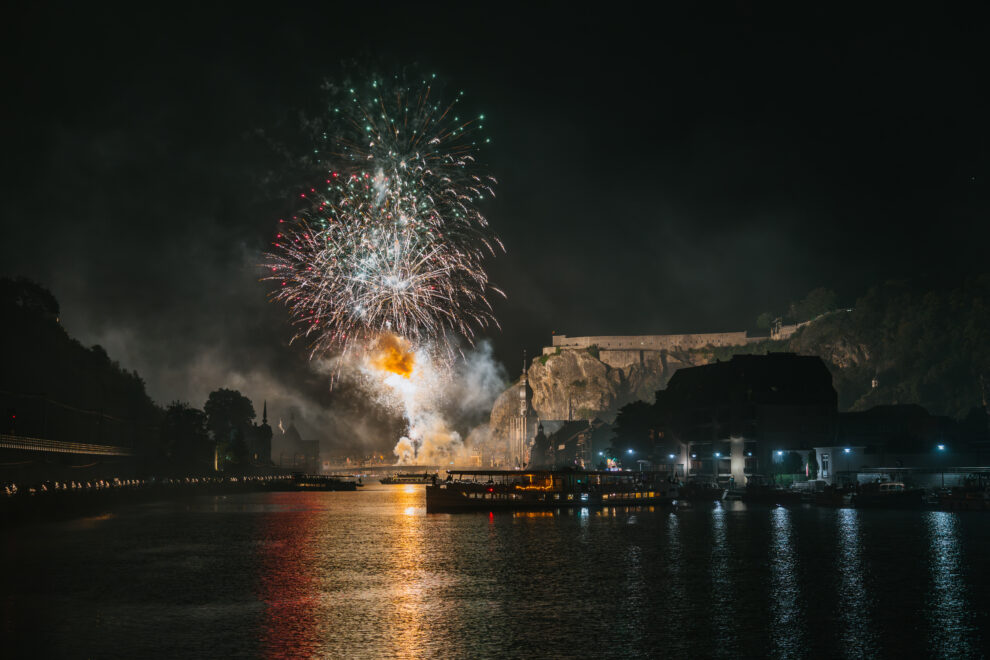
633, 427
184, 438
764, 320
793, 463
28, 296
817, 302
812, 464
228, 416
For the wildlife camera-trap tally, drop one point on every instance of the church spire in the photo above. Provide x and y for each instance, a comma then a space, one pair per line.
264, 414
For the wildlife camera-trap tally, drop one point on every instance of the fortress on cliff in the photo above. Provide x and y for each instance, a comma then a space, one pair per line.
622, 351
592, 377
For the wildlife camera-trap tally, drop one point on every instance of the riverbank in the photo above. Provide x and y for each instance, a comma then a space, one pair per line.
62, 501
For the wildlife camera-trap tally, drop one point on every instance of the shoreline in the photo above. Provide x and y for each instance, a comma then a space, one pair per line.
46, 505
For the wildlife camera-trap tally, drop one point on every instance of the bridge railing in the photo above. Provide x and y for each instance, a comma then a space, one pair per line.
60, 447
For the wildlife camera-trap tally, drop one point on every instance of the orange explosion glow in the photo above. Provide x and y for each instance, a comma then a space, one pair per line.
393, 354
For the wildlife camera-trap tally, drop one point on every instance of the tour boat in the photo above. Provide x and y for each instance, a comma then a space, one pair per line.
490, 490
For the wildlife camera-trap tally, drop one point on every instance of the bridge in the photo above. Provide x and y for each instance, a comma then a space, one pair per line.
382, 469
23, 443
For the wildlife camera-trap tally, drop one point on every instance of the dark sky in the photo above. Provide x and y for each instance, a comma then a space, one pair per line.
658, 173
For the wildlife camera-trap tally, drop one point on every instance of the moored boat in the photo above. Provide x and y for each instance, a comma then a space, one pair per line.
974, 495
315, 482
488, 490
397, 478
890, 494
697, 491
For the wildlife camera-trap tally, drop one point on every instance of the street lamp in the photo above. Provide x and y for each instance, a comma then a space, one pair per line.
845, 461
941, 449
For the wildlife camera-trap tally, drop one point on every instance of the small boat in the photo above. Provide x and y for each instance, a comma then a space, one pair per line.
892, 494
973, 495
695, 491
314, 482
398, 478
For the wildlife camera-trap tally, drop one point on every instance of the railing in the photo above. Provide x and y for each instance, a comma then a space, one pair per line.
59, 447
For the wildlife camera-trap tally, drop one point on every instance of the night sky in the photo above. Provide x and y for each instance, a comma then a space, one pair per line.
667, 173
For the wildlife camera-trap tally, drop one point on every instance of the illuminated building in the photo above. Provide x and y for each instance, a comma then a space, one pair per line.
520, 431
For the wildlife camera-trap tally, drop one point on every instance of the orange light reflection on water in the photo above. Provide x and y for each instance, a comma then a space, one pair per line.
310, 568
288, 588
405, 576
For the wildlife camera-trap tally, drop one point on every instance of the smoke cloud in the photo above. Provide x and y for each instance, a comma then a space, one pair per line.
442, 402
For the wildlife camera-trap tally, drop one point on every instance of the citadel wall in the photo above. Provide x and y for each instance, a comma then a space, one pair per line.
622, 351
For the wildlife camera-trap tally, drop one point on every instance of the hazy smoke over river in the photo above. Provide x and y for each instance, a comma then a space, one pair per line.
445, 405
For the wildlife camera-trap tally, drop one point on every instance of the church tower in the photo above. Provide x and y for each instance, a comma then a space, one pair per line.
519, 428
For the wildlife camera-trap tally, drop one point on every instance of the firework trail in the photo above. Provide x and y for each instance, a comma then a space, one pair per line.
392, 240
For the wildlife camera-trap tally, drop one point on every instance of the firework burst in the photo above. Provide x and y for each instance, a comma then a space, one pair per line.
392, 240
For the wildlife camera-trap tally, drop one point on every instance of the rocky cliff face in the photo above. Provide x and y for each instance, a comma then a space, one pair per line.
902, 343
575, 384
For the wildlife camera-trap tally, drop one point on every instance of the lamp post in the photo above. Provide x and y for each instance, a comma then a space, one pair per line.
845, 461
941, 450
718, 455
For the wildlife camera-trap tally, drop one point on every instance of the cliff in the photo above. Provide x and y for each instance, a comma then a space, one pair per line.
576, 384
916, 341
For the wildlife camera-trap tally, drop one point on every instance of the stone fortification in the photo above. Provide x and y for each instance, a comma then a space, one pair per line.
570, 382
624, 351
653, 342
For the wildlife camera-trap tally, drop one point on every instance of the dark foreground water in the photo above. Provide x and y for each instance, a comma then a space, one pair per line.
369, 574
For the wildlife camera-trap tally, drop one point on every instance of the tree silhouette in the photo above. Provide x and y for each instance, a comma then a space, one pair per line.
185, 439
817, 302
228, 416
633, 427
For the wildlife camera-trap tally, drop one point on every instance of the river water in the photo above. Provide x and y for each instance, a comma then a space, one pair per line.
370, 574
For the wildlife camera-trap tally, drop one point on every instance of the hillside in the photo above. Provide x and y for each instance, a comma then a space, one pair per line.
51, 386
903, 342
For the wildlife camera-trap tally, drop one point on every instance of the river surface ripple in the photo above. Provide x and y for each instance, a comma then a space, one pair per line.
370, 574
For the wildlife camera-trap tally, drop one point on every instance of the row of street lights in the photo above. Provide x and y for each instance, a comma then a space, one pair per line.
780, 452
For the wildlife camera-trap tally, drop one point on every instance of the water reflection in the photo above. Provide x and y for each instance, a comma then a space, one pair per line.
675, 566
723, 598
787, 630
951, 628
636, 603
406, 589
857, 637
368, 574
287, 588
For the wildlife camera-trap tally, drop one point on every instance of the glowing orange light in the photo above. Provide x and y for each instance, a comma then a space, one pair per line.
394, 355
